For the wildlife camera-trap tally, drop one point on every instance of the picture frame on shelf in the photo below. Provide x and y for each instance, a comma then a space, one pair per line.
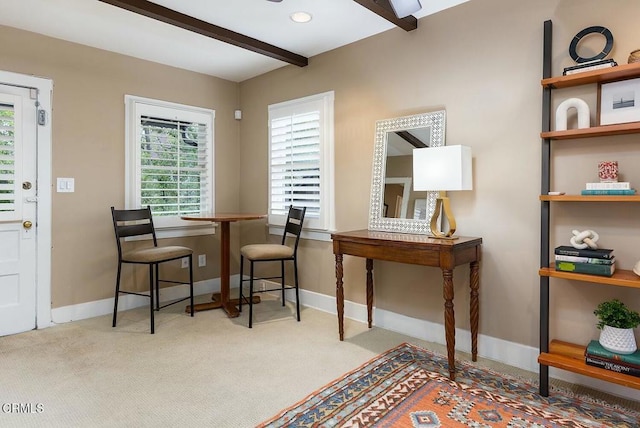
619, 102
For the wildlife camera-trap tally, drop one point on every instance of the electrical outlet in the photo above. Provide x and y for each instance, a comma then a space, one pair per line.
185, 262
202, 260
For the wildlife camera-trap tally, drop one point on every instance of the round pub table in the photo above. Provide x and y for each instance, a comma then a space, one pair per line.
222, 299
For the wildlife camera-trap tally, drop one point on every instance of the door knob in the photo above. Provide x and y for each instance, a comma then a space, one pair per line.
27, 224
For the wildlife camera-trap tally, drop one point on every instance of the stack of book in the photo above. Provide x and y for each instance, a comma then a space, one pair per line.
596, 355
588, 66
610, 188
593, 262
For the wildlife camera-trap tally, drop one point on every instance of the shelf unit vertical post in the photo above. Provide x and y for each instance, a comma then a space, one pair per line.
545, 207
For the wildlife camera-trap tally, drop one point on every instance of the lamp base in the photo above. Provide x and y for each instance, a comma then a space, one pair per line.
443, 207
444, 238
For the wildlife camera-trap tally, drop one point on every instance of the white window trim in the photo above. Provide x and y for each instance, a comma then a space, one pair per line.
313, 234
181, 228
313, 230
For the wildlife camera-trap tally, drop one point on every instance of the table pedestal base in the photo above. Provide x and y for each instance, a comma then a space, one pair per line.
231, 308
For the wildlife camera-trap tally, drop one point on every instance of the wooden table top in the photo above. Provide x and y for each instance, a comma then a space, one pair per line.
221, 217
389, 238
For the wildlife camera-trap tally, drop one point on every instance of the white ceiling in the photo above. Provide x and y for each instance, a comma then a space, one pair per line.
335, 23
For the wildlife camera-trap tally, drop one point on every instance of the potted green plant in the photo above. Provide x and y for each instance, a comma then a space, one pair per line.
616, 322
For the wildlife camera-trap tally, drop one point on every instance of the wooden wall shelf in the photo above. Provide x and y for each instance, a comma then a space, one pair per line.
576, 366
603, 75
590, 198
620, 278
594, 131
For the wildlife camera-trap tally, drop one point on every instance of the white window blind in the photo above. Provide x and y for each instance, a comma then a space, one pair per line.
170, 160
174, 178
7, 159
301, 159
295, 163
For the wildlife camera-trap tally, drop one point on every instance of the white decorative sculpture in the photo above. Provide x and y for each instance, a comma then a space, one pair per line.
636, 268
581, 108
584, 239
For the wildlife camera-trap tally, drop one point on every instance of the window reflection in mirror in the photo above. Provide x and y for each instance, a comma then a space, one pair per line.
399, 197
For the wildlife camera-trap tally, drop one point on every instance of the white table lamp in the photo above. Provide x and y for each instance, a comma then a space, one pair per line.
439, 169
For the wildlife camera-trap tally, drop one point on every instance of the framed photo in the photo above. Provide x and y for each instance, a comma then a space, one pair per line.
619, 102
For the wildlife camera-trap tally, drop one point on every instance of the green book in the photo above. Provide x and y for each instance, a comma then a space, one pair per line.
609, 192
588, 268
595, 349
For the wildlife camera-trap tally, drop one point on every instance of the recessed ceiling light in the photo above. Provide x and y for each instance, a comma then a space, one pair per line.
300, 17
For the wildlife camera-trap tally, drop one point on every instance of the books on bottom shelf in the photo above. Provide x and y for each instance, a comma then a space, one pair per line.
608, 185
597, 356
587, 192
611, 365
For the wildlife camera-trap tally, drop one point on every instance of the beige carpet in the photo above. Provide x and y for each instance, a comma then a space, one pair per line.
204, 371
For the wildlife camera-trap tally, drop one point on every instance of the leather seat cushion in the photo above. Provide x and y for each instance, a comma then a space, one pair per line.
156, 254
266, 251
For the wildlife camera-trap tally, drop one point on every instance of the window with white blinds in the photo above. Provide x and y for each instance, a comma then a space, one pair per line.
301, 159
7, 159
170, 159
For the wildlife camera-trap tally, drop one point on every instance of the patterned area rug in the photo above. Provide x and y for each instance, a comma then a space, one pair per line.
409, 387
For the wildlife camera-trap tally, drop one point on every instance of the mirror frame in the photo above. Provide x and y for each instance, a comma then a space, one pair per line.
436, 121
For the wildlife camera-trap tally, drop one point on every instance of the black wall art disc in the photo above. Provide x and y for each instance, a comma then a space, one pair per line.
588, 31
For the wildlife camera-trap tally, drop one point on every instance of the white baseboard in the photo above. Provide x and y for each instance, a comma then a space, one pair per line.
513, 354
130, 301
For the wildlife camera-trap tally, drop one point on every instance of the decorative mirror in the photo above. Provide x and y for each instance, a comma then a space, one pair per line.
395, 207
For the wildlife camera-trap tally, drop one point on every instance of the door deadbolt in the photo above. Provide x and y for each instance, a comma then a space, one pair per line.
27, 224
26, 185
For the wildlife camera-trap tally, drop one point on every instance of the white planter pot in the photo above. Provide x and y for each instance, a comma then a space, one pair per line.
618, 340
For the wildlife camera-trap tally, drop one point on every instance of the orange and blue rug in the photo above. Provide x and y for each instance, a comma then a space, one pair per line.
409, 387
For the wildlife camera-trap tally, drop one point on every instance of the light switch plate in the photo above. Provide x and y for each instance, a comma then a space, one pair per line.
65, 185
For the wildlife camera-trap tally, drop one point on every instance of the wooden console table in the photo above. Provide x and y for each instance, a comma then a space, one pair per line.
414, 249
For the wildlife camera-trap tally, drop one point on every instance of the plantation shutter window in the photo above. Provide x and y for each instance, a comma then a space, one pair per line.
301, 159
295, 163
170, 160
173, 166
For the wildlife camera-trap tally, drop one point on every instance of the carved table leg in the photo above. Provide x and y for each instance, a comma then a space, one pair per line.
449, 321
475, 308
340, 296
370, 291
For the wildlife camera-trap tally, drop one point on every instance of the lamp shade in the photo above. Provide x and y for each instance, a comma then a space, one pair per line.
403, 8
442, 168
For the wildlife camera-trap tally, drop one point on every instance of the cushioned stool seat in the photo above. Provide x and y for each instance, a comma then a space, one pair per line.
266, 251
156, 254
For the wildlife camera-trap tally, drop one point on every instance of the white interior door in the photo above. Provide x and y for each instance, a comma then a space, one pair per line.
18, 208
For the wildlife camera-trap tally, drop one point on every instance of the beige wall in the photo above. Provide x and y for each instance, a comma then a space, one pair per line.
482, 63
88, 144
